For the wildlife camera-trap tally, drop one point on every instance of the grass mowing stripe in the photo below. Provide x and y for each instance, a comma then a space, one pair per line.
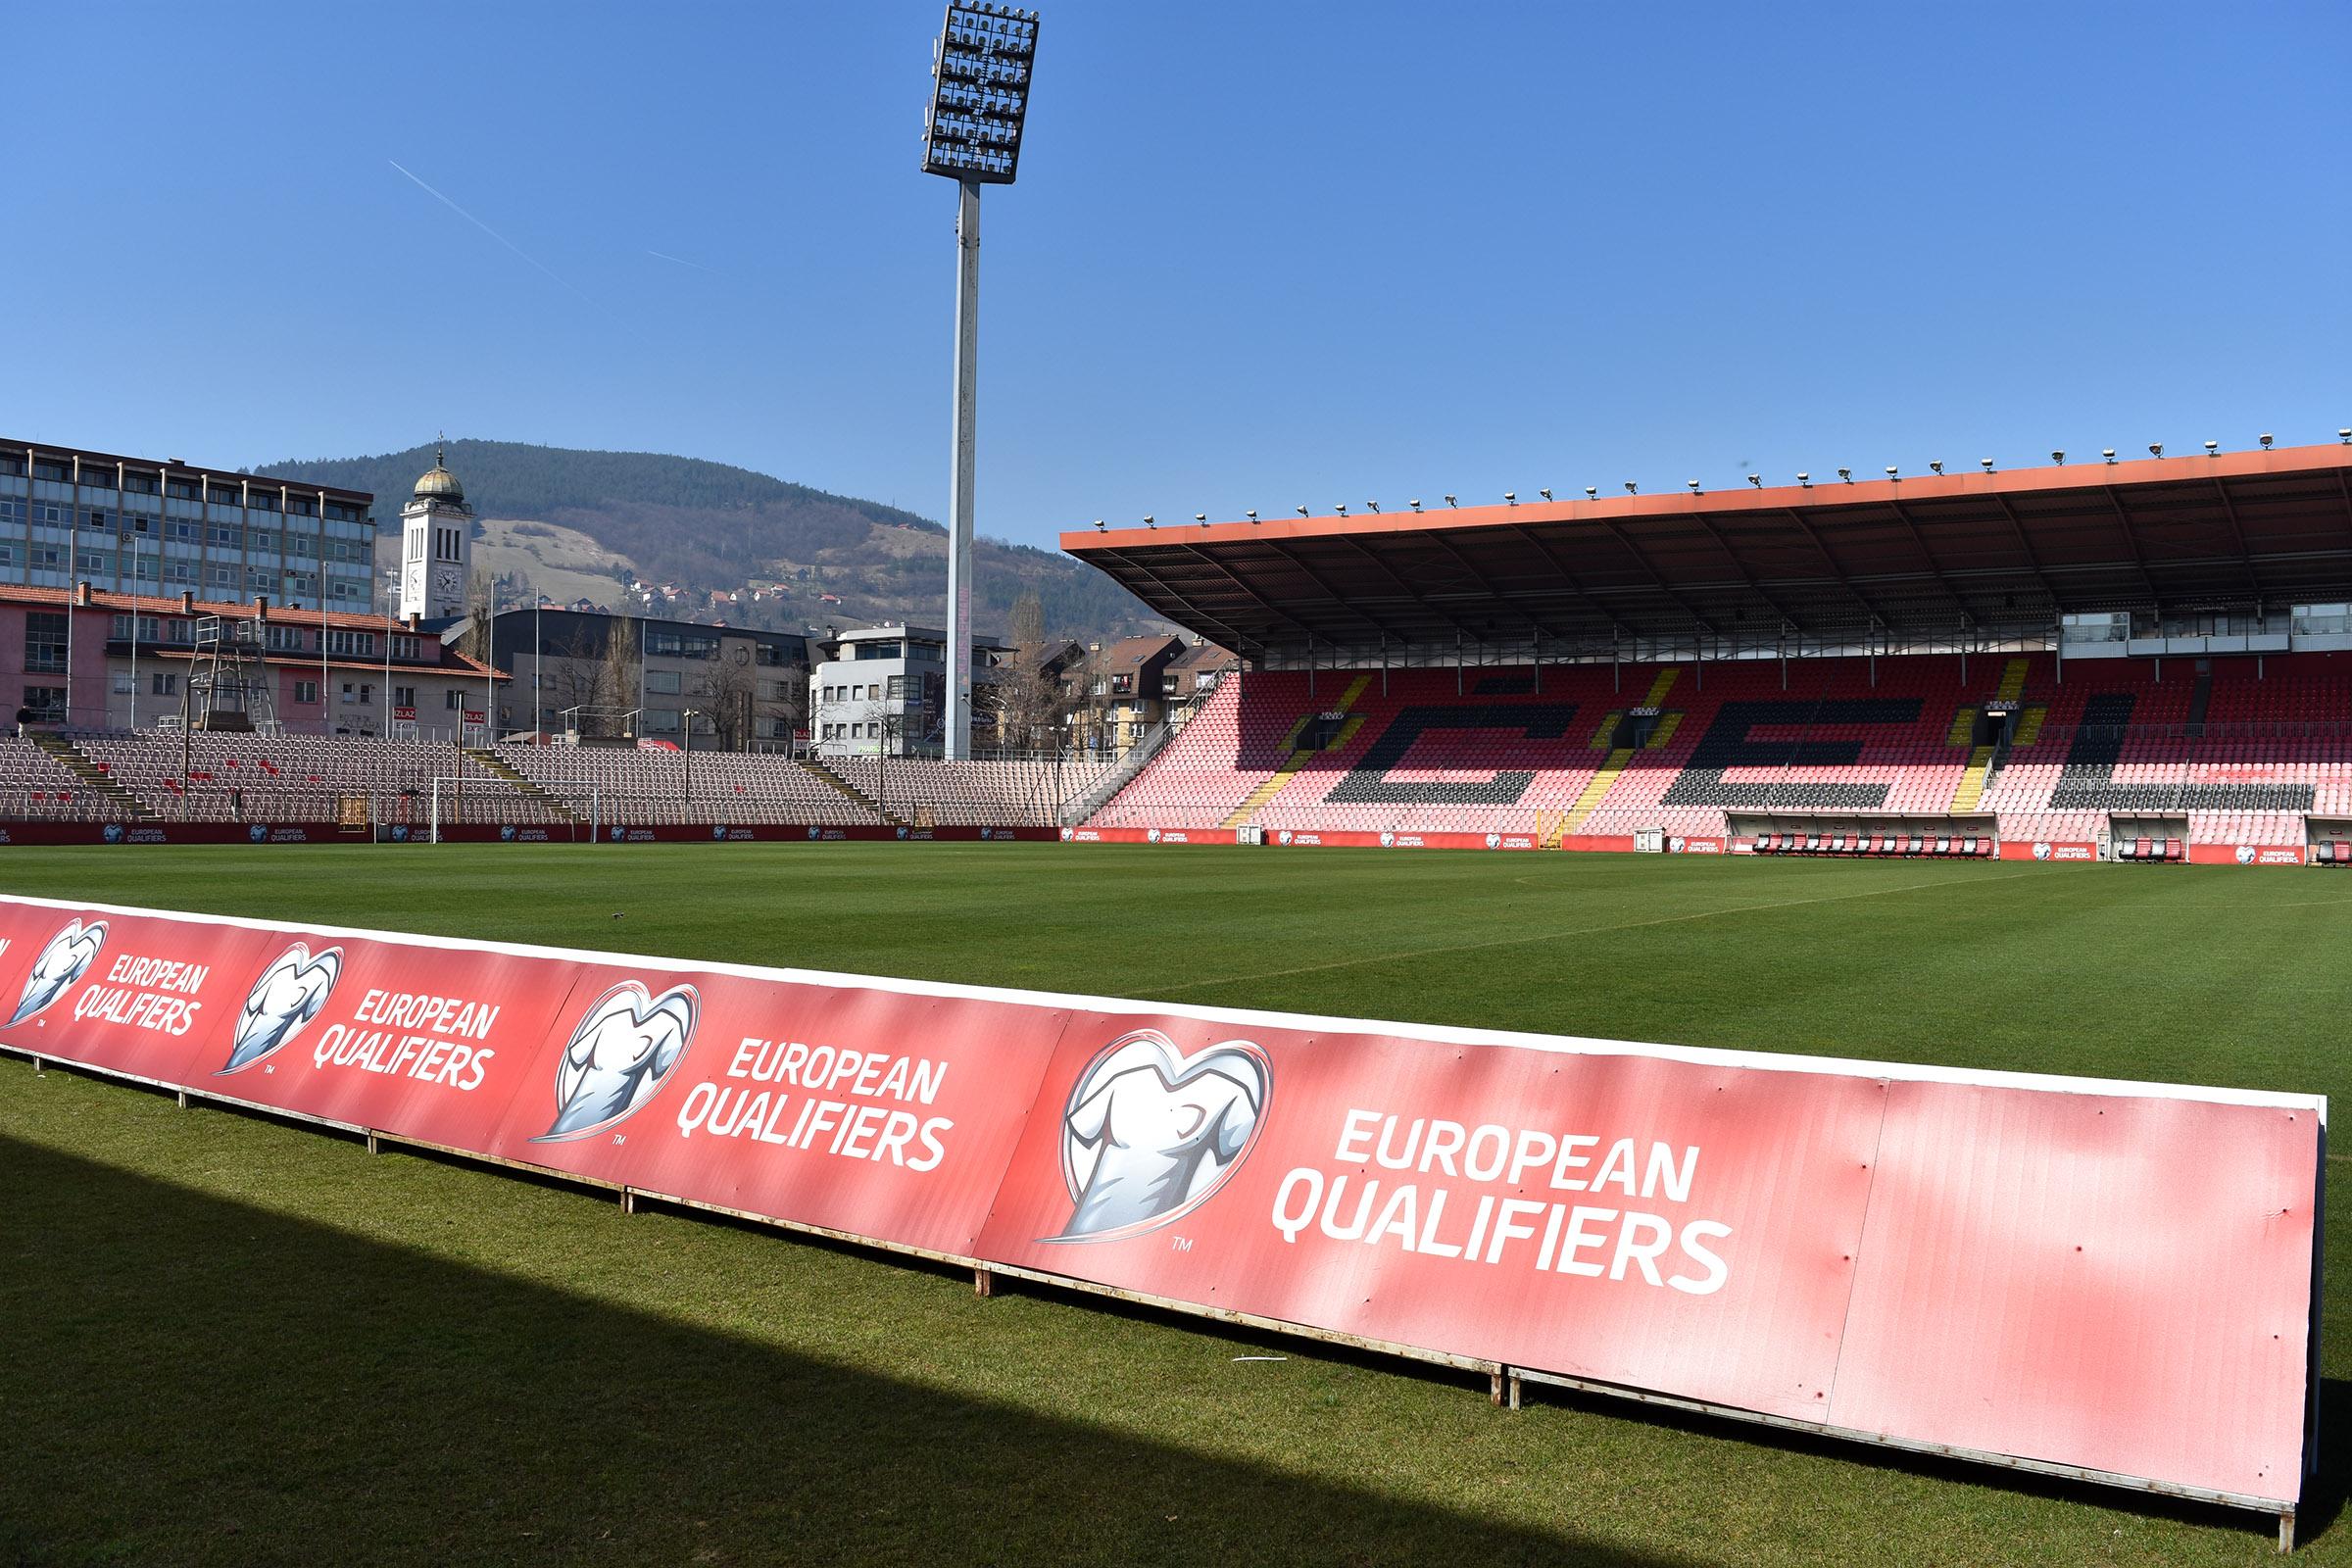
1557, 936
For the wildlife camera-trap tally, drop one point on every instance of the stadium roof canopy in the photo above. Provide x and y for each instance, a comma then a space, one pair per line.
1928, 555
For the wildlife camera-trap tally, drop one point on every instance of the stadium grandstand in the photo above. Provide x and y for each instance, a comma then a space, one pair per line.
2148, 660
2145, 662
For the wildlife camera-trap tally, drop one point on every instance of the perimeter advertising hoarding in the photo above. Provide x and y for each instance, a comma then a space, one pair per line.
2116, 1279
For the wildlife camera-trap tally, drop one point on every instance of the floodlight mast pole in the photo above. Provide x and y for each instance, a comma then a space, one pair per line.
980, 74
959, 484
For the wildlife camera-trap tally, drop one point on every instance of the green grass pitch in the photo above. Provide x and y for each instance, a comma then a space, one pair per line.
234, 1341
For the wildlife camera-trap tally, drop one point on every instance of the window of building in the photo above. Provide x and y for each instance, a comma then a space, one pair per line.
47, 702
453, 699
51, 558
97, 522
220, 576
48, 516
306, 691
358, 693
405, 646
122, 683
44, 642
179, 571
663, 681
164, 684
351, 644
284, 639
897, 688
404, 697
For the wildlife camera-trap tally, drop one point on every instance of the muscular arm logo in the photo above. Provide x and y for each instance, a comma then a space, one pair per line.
289, 994
65, 959
1149, 1133
621, 1054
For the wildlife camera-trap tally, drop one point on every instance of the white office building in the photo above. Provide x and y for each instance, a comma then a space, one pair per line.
882, 691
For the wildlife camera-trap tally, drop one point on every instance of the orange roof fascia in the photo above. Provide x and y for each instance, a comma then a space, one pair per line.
2014, 482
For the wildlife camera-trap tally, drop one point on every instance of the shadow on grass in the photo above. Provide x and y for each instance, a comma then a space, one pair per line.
190, 1379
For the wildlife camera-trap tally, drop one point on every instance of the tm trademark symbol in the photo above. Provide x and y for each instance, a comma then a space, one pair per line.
1182, 1243
620, 1137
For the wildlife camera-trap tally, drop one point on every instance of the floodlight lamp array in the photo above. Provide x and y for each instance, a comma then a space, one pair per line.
980, 93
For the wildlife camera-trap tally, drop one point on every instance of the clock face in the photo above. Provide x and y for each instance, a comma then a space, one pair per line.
413, 583
447, 581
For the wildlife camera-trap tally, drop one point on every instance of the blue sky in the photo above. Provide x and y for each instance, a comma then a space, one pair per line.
1261, 255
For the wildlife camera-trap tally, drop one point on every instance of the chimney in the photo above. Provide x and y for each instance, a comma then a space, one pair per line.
187, 603
414, 617
261, 607
82, 595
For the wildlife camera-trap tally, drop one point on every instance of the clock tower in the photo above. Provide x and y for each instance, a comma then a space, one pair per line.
436, 546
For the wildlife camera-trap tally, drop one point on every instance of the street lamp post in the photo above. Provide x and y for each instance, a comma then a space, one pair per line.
691, 713
980, 74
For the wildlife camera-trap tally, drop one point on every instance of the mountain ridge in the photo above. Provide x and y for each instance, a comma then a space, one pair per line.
702, 528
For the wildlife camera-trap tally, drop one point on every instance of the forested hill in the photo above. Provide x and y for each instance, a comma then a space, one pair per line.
710, 526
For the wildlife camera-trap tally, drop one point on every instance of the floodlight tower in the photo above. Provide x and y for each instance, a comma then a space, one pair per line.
972, 135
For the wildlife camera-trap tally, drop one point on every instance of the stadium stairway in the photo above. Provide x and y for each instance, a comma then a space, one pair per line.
1598, 789
523, 783
72, 757
1288, 768
820, 770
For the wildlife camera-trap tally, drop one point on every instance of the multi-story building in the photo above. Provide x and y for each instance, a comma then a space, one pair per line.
106, 661
603, 676
882, 691
1121, 692
154, 526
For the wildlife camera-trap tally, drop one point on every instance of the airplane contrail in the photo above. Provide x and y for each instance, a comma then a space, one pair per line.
680, 260
487, 229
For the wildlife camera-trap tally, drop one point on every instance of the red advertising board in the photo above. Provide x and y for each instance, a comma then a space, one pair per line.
2100, 1279
1657, 1223
880, 1114
2048, 850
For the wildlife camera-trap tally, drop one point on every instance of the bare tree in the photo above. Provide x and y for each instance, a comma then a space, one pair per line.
621, 667
1024, 702
730, 688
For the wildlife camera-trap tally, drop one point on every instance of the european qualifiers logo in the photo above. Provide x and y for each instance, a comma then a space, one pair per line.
290, 992
66, 959
1148, 1134
622, 1052
2041, 852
